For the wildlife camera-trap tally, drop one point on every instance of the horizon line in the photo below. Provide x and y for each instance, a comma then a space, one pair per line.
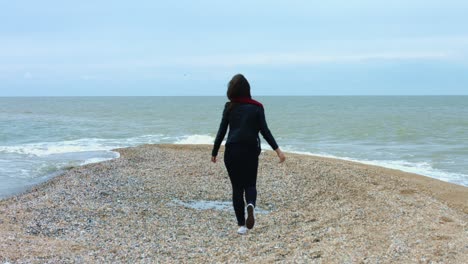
305, 95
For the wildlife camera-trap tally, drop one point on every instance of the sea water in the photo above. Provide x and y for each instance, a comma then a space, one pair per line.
42, 136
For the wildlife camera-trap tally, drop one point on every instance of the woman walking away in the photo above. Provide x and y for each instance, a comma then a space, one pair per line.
245, 118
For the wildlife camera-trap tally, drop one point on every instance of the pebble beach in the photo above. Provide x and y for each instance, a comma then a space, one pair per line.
144, 207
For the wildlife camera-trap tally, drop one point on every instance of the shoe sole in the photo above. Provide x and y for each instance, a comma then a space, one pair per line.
250, 222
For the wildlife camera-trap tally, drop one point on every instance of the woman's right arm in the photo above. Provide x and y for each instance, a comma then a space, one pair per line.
280, 154
265, 131
221, 133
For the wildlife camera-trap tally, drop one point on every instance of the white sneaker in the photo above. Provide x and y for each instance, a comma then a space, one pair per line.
242, 230
250, 221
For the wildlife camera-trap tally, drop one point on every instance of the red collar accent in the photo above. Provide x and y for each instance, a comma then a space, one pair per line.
245, 100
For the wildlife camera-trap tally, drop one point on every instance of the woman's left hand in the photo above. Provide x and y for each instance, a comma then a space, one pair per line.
213, 159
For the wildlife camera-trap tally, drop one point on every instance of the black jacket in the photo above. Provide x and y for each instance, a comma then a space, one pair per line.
245, 121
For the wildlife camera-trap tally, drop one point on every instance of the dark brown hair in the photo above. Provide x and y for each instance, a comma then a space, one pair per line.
238, 86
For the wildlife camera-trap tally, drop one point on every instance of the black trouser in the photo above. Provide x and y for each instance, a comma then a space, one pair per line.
241, 162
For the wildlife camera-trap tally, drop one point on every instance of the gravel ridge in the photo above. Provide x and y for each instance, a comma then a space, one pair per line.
318, 210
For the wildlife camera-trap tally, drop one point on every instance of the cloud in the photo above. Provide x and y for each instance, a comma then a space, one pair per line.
293, 58
273, 59
88, 77
27, 75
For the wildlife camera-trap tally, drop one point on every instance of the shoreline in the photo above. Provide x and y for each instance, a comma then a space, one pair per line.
453, 194
318, 209
63, 170
370, 163
450, 192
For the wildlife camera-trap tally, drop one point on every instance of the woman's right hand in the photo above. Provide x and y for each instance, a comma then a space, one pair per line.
280, 154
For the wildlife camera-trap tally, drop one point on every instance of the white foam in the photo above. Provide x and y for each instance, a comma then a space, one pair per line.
145, 139
42, 149
421, 168
61, 147
195, 140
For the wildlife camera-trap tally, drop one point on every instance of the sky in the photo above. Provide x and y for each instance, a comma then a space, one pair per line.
158, 48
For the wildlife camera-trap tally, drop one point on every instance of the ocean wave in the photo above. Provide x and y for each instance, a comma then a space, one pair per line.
49, 148
42, 149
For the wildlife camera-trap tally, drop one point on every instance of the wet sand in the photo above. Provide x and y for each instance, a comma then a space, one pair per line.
136, 209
